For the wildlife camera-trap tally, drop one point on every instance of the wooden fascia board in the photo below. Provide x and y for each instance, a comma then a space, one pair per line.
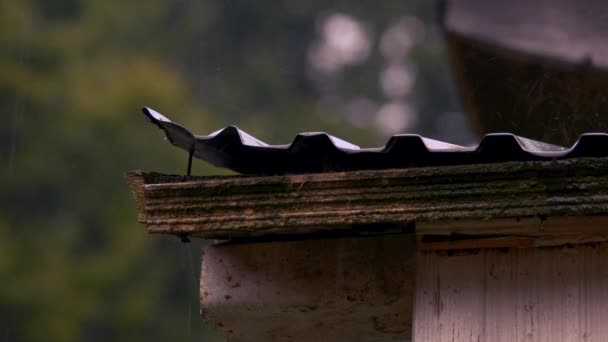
252, 206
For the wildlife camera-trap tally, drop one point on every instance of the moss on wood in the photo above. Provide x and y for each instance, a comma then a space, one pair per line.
246, 206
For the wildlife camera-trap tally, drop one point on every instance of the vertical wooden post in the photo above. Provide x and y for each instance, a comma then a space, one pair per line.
339, 289
534, 294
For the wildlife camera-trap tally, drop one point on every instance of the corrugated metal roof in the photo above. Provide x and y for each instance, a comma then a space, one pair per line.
320, 152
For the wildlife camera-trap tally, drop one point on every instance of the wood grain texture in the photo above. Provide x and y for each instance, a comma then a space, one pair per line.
310, 290
557, 294
512, 233
239, 206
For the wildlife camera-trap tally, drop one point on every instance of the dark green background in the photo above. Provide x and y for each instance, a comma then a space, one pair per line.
74, 262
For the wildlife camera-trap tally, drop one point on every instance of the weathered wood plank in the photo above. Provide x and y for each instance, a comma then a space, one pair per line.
533, 295
448, 300
511, 242
515, 226
237, 206
518, 233
343, 289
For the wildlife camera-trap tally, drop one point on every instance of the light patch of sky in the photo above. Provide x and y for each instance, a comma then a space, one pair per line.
397, 80
343, 41
395, 117
397, 41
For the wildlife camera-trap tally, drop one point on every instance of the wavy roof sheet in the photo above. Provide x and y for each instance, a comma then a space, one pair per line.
314, 152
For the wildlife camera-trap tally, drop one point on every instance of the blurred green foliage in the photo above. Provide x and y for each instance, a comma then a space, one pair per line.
74, 263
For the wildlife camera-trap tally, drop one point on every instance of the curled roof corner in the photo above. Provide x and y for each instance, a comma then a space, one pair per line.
313, 152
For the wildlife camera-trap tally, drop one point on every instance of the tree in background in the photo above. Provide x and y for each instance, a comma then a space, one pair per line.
74, 263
